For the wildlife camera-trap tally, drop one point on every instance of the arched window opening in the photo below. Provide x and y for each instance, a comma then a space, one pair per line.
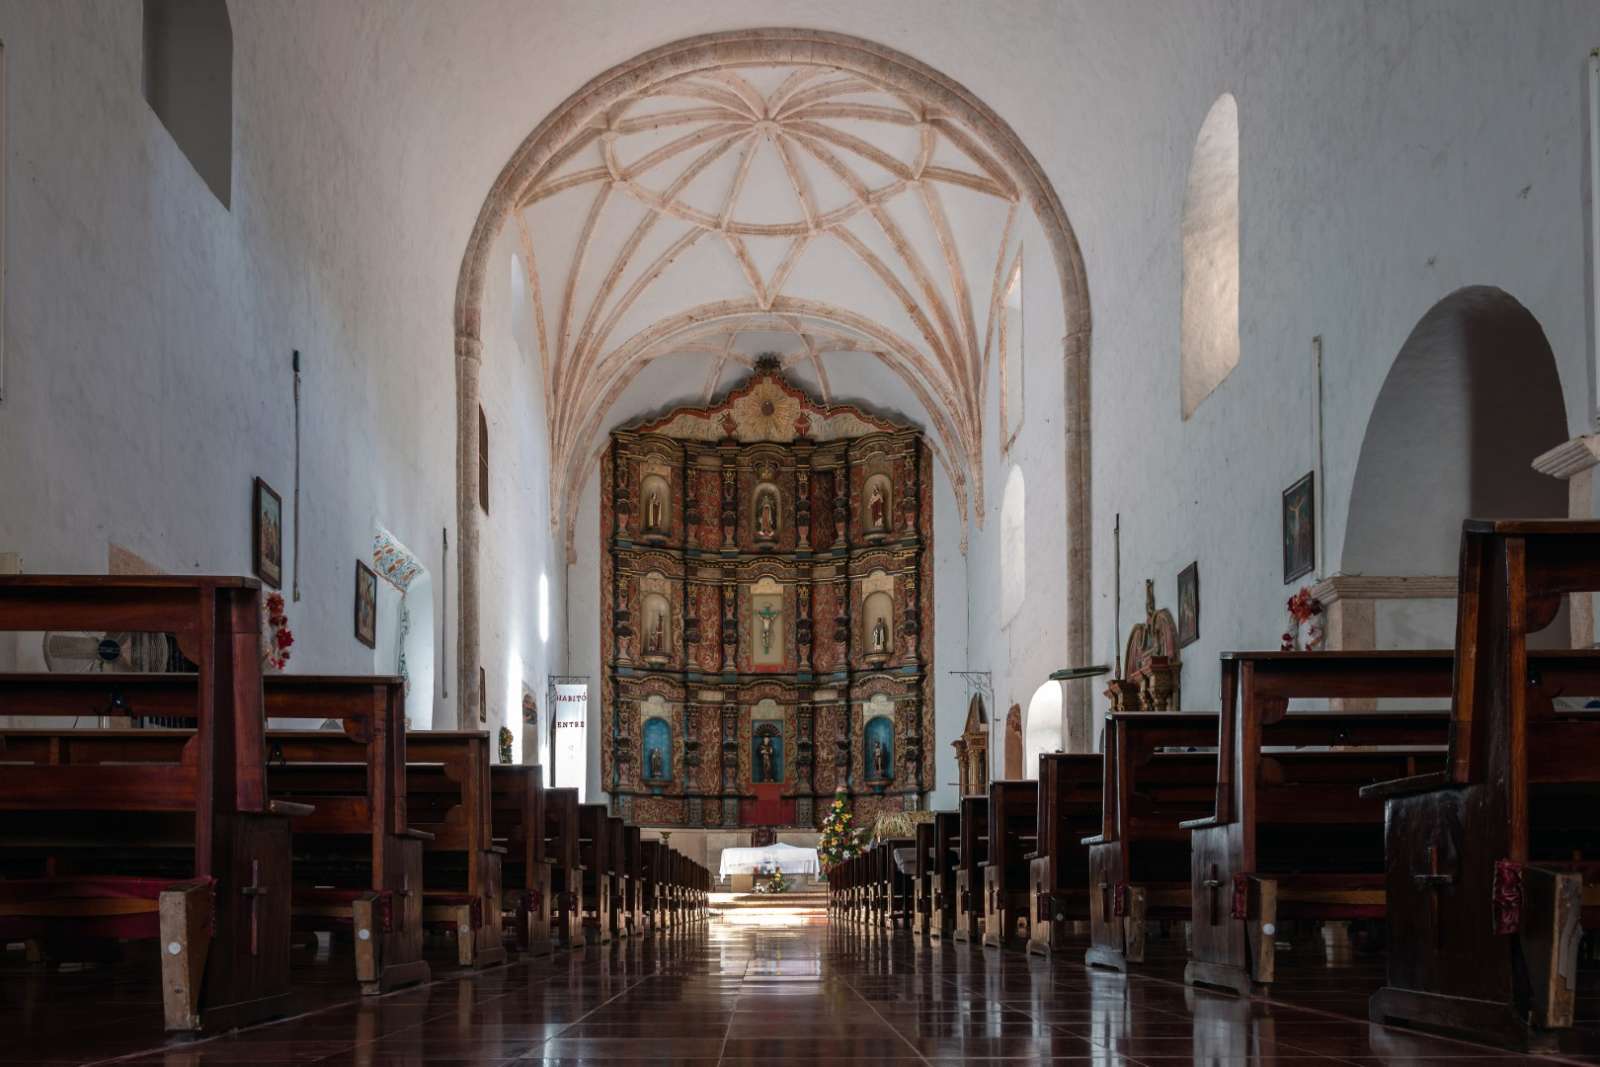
188, 82
1209, 326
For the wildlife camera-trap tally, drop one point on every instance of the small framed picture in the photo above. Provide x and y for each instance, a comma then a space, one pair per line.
266, 535
1189, 604
1299, 529
366, 605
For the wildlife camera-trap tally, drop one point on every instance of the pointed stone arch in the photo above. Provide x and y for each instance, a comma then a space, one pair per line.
883, 66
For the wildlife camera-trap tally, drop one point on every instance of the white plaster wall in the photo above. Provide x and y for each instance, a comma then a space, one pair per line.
519, 543
149, 329
1390, 154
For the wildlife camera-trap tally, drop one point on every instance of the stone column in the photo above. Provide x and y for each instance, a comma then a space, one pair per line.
469, 363
1574, 463
1350, 613
1078, 731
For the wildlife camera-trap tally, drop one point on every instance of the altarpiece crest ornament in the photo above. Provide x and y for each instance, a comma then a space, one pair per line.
1151, 666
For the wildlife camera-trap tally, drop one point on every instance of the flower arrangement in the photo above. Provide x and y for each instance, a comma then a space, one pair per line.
276, 638
840, 840
1304, 609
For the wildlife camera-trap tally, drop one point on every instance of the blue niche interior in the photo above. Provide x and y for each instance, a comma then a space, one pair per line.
879, 729
657, 753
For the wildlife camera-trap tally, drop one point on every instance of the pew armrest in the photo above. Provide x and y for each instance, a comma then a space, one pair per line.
1097, 839
1405, 787
1203, 824
499, 850
419, 835
290, 808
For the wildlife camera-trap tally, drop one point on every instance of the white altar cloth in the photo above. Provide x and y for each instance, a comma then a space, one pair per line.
789, 859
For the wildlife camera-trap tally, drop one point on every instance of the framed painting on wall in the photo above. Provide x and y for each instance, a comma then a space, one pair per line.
266, 534
1299, 529
366, 605
1189, 604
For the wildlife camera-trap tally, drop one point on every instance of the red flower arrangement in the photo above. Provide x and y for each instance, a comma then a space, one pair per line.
278, 638
1303, 608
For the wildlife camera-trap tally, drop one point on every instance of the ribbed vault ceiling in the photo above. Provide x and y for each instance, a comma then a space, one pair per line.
800, 204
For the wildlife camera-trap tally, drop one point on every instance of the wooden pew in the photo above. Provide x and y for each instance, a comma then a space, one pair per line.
654, 873
945, 858
633, 850
1290, 837
594, 827
1070, 796
449, 795
563, 846
518, 791
1139, 862
974, 851
922, 880
1013, 838
195, 852
358, 863
896, 882
1491, 857
621, 886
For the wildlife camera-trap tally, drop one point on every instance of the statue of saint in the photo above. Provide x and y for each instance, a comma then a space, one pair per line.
655, 763
658, 636
765, 756
879, 769
880, 635
877, 515
652, 511
766, 517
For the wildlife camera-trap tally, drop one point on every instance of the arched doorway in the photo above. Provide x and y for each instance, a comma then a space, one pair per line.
1472, 398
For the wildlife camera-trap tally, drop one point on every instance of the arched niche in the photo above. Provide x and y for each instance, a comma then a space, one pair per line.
877, 763
655, 750
1472, 397
1208, 341
877, 623
1041, 727
766, 742
655, 619
877, 500
655, 505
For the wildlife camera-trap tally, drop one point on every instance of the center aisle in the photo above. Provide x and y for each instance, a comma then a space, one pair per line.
775, 987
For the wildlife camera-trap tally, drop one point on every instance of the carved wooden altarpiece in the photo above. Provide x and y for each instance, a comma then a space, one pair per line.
767, 611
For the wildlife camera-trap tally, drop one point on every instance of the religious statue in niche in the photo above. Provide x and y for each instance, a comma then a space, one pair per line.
654, 519
655, 633
767, 515
657, 746
880, 635
767, 765
877, 509
879, 736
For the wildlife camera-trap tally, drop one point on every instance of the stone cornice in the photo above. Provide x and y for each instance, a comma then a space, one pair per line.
1385, 587
1570, 457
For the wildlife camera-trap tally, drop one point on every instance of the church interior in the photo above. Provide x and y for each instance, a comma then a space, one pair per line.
910, 531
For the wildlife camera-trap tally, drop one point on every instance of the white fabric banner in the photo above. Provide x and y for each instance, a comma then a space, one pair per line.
571, 729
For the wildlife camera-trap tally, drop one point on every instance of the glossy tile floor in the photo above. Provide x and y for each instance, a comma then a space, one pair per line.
772, 989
